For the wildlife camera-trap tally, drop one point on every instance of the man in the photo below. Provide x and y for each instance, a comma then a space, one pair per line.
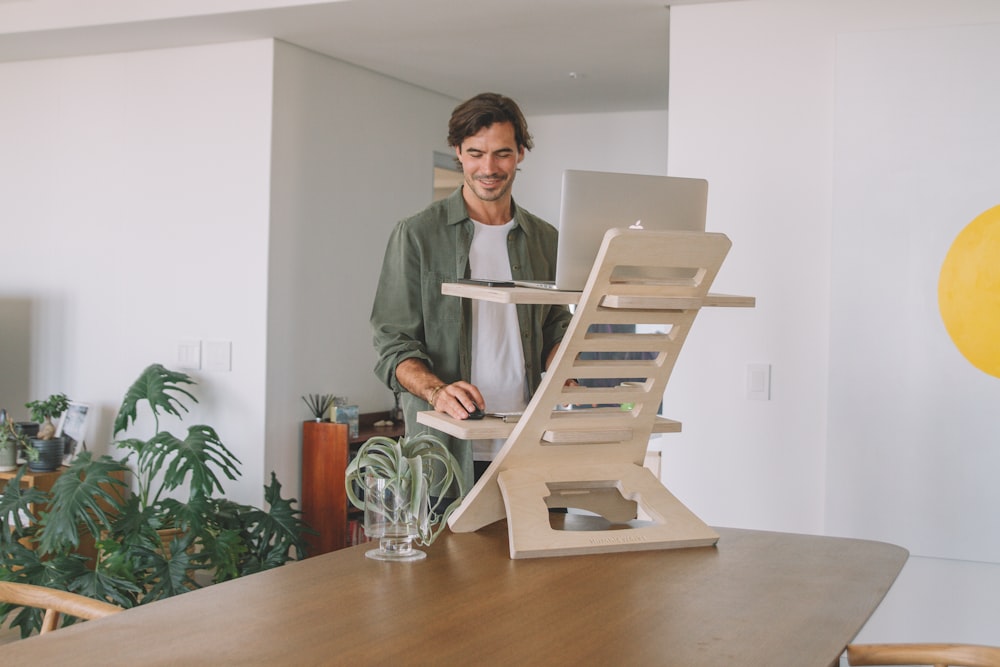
456, 355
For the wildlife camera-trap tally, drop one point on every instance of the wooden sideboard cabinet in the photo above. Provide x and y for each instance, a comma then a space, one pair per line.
326, 449
324, 501
38, 480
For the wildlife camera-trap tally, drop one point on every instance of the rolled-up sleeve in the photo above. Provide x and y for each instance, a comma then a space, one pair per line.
554, 328
397, 318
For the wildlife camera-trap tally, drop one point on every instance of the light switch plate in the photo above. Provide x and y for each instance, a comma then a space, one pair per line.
218, 355
189, 354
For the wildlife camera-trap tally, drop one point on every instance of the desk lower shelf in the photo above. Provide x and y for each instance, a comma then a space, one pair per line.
489, 428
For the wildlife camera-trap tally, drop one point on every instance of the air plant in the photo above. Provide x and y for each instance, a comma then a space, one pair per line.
413, 467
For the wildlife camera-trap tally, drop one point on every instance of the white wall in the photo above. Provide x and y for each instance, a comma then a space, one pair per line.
353, 154
754, 93
134, 213
911, 171
730, 121
633, 142
240, 192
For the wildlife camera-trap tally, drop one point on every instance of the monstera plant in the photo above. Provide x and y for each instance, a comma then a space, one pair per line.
175, 533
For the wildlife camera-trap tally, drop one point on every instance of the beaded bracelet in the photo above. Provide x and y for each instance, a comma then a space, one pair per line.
434, 393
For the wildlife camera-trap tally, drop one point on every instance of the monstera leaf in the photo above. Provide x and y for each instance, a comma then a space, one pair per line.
189, 460
80, 497
273, 534
164, 458
15, 508
157, 386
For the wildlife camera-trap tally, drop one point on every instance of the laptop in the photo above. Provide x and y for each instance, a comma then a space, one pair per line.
595, 201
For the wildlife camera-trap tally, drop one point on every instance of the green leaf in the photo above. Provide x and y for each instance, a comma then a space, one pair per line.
197, 515
226, 552
166, 575
136, 525
80, 497
196, 455
157, 386
275, 533
19, 563
103, 584
16, 508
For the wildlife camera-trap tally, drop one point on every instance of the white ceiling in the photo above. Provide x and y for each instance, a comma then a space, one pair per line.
553, 56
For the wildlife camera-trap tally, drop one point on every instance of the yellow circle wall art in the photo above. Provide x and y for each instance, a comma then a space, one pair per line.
969, 292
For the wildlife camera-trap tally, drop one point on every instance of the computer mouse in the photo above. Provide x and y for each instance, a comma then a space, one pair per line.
476, 414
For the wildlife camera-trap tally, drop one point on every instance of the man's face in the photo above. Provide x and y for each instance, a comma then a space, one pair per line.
489, 161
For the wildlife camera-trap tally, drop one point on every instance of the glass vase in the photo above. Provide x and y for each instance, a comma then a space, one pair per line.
395, 518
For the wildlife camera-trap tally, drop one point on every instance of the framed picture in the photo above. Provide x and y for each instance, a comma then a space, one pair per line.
73, 425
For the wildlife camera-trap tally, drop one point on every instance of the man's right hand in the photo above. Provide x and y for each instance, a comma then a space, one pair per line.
458, 399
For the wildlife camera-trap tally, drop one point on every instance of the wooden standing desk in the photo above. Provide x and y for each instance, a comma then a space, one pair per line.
758, 598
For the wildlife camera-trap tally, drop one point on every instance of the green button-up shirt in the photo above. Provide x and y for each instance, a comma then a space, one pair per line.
412, 319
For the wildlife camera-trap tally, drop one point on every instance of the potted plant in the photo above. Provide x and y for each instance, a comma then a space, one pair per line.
208, 537
319, 404
10, 440
45, 451
392, 481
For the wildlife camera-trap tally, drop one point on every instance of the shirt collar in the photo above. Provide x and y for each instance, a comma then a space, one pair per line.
458, 213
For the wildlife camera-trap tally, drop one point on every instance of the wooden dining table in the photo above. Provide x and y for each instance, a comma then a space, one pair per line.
755, 598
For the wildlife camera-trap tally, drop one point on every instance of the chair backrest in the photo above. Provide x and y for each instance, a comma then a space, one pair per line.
54, 602
939, 655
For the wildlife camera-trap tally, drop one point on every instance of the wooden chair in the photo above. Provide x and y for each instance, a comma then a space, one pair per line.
939, 655
55, 603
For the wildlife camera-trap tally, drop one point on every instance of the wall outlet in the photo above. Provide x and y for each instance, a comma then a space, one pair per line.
759, 382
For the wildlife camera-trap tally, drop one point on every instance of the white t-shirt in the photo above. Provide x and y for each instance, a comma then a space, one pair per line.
497, 354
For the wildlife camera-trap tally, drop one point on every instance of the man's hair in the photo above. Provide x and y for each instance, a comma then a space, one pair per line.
483, 110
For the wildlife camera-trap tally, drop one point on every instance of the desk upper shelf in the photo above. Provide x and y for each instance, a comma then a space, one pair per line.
547, 296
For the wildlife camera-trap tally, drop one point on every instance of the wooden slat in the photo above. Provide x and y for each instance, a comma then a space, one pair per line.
584, 436
632, 342
635, 302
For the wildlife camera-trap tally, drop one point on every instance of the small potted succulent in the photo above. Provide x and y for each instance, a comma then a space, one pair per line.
44, 450
392, 481
10, 440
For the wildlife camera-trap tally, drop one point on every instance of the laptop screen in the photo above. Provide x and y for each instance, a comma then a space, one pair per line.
594, 202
